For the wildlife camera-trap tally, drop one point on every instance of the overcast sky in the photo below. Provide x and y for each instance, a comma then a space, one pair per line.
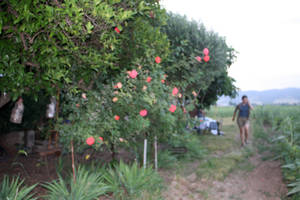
266, 33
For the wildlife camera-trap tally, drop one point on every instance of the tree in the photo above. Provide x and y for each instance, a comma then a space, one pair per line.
186, 65
46, 44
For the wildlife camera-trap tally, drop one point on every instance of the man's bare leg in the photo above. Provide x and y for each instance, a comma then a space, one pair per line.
246, 133
242, 135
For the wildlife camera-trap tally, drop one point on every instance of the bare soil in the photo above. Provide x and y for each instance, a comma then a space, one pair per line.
263, 183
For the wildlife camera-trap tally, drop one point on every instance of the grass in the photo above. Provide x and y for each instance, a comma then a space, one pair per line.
226, 143
224, 152
216, 168
220, 112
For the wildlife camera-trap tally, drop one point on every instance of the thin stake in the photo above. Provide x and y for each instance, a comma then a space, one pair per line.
155, 152
73, 161
145, 153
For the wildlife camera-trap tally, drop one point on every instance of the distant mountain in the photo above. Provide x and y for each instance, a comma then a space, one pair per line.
275, 96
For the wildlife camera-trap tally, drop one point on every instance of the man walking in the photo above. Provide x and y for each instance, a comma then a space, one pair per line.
243, 118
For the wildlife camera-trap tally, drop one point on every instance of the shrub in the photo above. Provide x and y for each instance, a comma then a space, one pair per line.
189, 141
13, 190
166, 159
132, 182
88, 186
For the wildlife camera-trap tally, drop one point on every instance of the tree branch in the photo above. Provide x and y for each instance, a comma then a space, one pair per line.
93, 81
32, 64
35, 35
23, 41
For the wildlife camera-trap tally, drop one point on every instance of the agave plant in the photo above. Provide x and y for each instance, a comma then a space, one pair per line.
132, 182
14, 190
295, 186
88, 186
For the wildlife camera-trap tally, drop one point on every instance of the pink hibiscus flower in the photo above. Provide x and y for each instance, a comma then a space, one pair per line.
205, 51
175, 91
143, 113
157, 59
117, 30
172, 108
206, 58
90, 141
198, 58
133, 74
149, 79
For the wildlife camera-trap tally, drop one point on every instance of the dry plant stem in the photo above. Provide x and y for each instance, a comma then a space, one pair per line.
73, 161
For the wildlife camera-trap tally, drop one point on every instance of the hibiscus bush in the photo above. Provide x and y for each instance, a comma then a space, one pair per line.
122, 71
136, 104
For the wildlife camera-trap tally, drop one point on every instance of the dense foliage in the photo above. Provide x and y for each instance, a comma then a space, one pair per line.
195, 71
120, 69
45, 44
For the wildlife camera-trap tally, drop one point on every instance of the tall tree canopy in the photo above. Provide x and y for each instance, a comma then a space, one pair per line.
45, 44
123, 68
186, 65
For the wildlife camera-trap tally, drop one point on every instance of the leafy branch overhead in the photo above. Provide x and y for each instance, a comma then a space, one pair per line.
47, 43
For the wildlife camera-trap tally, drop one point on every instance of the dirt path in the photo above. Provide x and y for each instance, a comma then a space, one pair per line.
250, 179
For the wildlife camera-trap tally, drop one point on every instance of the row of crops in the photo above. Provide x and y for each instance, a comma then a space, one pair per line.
277, 128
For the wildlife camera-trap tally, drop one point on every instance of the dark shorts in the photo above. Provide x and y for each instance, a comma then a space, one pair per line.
242, 121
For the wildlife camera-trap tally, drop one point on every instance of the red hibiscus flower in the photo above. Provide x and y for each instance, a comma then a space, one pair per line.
157, 59
162, 81
175, 91
143, 113
206, 58
149, 79
133, 74
101, 138
198, 58
117, 117
90, 141
172, 108
117, 30
205, 51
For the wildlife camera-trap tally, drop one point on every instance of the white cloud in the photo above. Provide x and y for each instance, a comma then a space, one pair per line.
265, 33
